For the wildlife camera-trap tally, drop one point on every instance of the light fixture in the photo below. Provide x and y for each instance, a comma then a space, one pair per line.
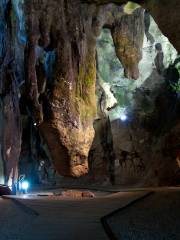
123, 117
23, 186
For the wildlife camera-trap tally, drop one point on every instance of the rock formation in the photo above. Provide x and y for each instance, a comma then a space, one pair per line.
65, 111
10, 128
159, 10
143, 114
48, 75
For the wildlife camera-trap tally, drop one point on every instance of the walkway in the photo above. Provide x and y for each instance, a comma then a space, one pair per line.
151, 217
68, 219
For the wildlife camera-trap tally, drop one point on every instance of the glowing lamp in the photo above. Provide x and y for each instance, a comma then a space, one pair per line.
23, 186
123, 117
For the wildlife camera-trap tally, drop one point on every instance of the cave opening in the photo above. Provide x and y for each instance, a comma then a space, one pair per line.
133, 119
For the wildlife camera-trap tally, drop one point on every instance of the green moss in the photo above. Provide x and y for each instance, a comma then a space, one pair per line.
87, 112
130, 7
178, 67
86, 75
85, 89
86, 78
176, 86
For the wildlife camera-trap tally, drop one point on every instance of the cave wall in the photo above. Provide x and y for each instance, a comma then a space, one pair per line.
160, 10
48, 73
9, 93
143, 115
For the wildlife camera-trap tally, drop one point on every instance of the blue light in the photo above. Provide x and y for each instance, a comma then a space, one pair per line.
123, 117
24, 185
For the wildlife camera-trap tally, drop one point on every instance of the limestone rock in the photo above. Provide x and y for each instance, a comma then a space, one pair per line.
66, 109
77, 194
128, 37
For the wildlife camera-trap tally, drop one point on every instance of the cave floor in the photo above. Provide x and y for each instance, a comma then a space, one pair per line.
65, 219
153, 218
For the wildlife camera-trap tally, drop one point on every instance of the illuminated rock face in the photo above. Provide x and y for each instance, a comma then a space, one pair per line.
169, 26
67, 106
56, 42
136, 137
128, 37
54, 68
159, 10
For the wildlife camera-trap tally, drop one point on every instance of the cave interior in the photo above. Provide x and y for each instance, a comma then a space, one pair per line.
89, 93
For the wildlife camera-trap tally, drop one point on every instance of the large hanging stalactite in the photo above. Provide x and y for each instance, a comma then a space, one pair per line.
128, 35
160, 11
70, 100
64, 105
70, 97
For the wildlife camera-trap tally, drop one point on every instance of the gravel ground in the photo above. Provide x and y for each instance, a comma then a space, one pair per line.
156, 217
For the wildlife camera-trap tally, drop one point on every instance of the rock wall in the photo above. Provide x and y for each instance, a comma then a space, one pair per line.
143, 114
48, 64
159, 10
10, 132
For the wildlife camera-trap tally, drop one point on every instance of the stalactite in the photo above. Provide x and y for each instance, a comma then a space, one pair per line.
48, 48
67, 107
128, 35
71, 93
